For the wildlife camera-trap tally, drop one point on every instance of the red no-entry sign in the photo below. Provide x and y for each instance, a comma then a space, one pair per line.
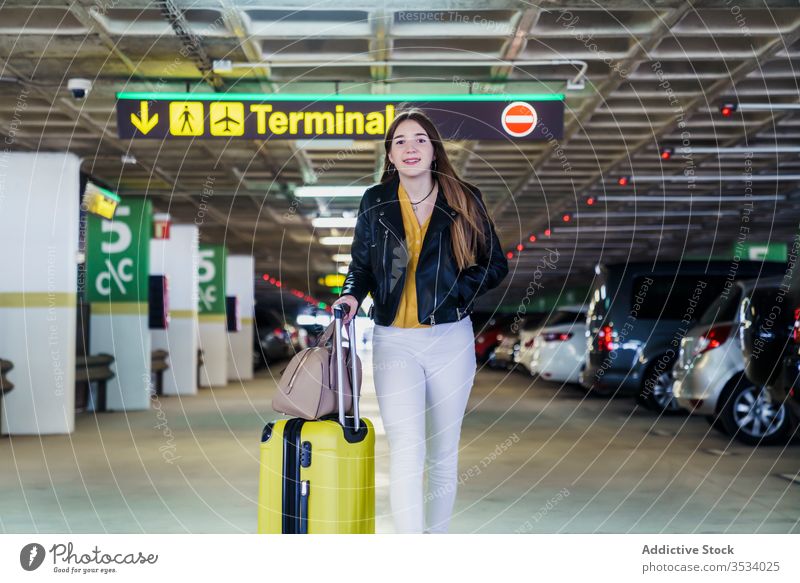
519, 119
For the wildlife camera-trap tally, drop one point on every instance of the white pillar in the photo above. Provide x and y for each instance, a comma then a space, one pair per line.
39, 220
177, 258
239, 283
118, 259
212, 329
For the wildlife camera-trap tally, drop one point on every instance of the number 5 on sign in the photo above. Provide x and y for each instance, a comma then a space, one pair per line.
206, 269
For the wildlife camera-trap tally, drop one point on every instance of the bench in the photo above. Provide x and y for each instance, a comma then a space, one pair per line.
200, 362
158, 364
94, 369
5, 384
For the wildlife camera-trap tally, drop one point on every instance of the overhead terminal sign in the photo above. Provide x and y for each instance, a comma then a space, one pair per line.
161, 116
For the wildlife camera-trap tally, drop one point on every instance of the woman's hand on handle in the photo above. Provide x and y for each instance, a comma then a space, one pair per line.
352, 303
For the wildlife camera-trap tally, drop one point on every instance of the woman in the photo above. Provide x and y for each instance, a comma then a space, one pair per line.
425, 248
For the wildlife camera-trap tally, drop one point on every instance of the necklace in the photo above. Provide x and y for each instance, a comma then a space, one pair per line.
414, 205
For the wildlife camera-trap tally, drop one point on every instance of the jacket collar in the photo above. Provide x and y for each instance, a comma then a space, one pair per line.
388, 205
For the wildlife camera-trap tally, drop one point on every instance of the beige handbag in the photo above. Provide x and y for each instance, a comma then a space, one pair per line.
307, 387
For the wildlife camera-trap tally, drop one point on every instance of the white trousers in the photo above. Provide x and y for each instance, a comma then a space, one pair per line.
423, 377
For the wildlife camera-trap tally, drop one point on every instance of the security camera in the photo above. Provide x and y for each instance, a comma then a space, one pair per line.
79, 88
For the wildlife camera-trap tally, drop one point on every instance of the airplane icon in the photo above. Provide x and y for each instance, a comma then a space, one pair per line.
227, 120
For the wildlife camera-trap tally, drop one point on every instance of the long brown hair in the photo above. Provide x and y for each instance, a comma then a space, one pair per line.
467, 228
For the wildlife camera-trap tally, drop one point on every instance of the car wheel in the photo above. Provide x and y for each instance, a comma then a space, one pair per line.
748, 415
661, 398
258, 360
656, 393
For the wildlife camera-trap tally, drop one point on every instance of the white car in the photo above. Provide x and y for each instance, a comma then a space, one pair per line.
556, 351
709, 377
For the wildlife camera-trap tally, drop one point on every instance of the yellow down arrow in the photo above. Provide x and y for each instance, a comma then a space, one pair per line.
144, 123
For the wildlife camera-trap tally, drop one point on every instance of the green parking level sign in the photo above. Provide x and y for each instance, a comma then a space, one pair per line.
118, 254
211, 276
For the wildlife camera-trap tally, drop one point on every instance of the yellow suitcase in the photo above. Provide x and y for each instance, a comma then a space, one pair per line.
319, 476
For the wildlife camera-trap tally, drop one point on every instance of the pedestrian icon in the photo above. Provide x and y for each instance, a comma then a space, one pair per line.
226, 119
186, 118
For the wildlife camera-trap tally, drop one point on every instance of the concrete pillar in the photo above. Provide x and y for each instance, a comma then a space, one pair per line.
211, 304
177, 258
39, 221
240, 284
118, 261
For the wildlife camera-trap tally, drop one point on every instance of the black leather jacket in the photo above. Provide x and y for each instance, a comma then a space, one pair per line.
380, 256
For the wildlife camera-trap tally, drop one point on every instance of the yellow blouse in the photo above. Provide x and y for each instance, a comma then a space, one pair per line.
407, 316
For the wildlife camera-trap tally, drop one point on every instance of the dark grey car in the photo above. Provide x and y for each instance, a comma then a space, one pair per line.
638, 314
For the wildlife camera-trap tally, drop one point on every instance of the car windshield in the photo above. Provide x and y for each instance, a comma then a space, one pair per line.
723, 309
668, 297
534, 321
565, 317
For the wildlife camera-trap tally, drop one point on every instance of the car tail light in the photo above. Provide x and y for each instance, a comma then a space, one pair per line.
277, 332
557, 336
712, 339
796, 329
605, 339
529, 343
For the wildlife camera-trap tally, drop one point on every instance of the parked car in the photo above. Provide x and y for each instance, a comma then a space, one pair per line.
709, 374
298, 336
506, 354
770, 340
558, 349
638, 314
487, 330
788, 389
272, 340
502, 356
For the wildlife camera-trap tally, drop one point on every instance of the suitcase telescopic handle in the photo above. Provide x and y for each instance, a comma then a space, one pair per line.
338, 313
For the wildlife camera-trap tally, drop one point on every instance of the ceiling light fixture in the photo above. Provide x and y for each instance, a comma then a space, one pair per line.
763, 106
333, 223
329, 191
336, 240
712, 177
739, 150
660, 199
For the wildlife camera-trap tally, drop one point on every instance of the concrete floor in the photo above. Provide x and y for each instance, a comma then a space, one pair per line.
535, 457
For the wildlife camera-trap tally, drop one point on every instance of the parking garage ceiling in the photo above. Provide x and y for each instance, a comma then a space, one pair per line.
637, 77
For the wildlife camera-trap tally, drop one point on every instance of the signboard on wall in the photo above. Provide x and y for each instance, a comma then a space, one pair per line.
118, 253
517, 117
211, 276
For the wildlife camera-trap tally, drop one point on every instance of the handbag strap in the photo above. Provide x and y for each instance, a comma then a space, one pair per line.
328, 333
323, 340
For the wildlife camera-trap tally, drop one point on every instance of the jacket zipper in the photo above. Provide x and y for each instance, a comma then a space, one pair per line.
385, 240
383, 263
387, 273
436, 281
389, 229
